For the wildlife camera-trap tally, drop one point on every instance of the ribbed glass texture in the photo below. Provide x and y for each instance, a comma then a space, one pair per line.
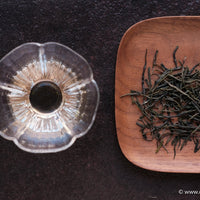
31, 125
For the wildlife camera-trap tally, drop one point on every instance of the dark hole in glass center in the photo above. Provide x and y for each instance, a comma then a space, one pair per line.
45, 96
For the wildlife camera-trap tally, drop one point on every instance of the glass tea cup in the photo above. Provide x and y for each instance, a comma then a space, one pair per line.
48, 97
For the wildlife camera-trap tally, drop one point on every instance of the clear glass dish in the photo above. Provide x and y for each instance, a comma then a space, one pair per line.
48, 97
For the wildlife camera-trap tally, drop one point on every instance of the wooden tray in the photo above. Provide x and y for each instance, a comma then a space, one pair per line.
163, 34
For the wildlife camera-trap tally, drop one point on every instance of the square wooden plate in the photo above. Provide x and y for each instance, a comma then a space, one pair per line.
162, 34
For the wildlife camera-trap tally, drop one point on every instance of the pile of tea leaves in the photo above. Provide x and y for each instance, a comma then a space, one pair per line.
169, 103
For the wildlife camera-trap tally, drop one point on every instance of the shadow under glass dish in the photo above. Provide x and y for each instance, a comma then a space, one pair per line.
48, 97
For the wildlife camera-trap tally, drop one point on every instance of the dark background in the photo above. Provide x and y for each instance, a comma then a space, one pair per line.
94, 167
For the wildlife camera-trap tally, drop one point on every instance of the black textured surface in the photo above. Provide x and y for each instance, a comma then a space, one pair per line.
45, 96
94, 167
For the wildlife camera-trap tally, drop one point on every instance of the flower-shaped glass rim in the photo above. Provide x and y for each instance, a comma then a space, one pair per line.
74, 137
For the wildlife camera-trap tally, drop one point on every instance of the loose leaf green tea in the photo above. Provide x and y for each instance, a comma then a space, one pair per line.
169, 103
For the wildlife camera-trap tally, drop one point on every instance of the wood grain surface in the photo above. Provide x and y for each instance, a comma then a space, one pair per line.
162, 34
